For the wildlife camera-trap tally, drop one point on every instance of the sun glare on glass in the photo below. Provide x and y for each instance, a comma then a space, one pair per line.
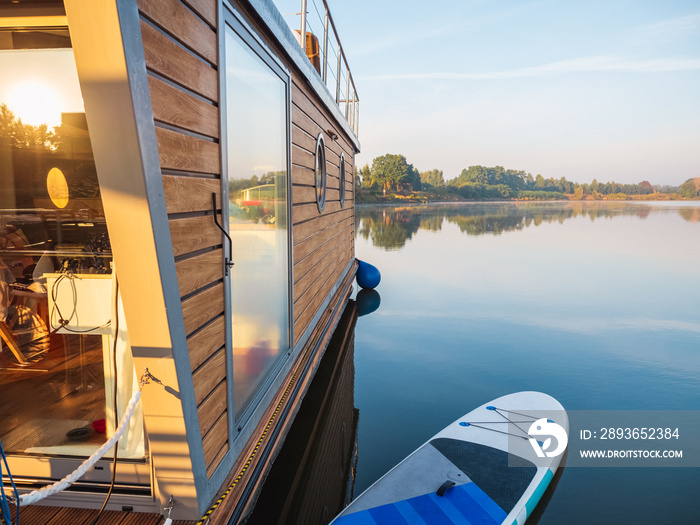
35, 103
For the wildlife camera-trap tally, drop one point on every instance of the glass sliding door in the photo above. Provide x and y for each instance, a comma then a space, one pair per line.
257, 113
57, 293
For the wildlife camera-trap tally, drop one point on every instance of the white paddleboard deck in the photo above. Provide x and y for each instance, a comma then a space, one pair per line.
481, 469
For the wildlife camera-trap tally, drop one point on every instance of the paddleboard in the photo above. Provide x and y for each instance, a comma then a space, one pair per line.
484, 468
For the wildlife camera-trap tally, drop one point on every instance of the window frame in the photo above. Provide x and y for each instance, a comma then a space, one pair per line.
341, 179
320, 179
237, 23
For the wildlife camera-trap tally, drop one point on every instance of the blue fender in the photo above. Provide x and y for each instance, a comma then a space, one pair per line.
368, 276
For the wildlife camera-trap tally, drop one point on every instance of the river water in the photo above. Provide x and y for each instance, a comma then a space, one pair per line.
595, 303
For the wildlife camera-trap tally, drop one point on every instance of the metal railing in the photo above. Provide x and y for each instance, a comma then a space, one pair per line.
331, 64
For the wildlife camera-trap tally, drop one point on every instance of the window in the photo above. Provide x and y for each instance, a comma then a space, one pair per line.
342, 179
56, 286
257, 107
320, 172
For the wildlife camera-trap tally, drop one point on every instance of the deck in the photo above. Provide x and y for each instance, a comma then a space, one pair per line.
36, 514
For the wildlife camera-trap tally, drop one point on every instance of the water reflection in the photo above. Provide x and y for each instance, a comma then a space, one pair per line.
313, 478
392, 227
368, 301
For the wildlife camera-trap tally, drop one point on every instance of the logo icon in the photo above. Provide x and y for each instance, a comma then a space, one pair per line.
546, 427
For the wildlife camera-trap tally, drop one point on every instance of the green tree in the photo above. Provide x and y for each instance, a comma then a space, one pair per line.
26, 135
366, 177
392, 171
690, 189
434, 178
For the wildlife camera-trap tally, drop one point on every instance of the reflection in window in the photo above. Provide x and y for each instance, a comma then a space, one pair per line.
56, 285
256, 100
320, 172
342, 179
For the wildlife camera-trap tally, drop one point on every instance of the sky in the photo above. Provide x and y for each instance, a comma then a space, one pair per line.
43, 84
596, 89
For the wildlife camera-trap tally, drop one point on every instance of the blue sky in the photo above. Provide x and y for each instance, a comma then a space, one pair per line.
595, 89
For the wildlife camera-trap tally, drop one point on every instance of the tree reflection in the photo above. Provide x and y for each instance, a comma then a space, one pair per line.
389, 228
392, 227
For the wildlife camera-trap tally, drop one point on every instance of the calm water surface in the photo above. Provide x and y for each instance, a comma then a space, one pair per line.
597, 304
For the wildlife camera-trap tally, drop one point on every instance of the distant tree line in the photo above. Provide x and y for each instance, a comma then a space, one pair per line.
690, 188
393, 173
24, 135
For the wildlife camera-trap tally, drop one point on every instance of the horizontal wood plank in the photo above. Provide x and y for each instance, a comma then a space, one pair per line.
310, 244
178, 108
203, 307
178, 151
304, 212
192, 234
303, 139
167, 58
190, 194
301, 157
205, 343
212, 408
209, 375
199, 271
306, 229
184, 25
303, 176
303, 120
308, 104
324, 288
215, 464
204, 8
216, 439
303, 194
315, 267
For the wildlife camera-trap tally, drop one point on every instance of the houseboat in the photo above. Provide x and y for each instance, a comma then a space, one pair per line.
176, 248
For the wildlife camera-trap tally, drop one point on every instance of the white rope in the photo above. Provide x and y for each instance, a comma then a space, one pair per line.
49, 490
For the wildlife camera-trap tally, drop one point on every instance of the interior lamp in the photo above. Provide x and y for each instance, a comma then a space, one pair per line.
58, 187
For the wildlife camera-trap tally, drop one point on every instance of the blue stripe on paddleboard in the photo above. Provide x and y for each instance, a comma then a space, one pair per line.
537, 495
475, 504
387, 514
429, 511
461, 505
409, 513
453, 513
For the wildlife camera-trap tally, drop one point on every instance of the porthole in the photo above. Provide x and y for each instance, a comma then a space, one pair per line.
342, 180
320, 172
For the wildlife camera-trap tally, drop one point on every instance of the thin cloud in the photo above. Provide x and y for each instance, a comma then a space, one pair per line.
595, 64
673, 27
429, 31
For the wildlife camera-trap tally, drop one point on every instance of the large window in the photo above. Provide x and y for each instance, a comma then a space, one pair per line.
256, 124
57, 294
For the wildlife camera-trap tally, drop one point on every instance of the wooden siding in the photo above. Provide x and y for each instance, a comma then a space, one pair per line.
323, 242
181, 50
